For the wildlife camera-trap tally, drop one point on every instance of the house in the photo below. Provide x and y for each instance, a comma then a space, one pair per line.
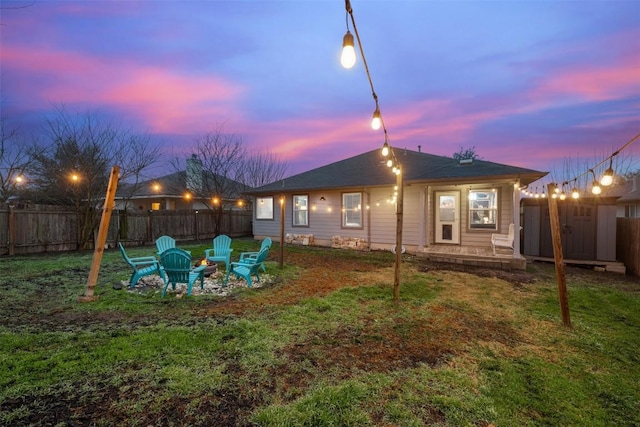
628, 204
450, 208
191, 189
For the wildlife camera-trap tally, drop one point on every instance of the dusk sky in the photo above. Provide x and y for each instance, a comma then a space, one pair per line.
528, 83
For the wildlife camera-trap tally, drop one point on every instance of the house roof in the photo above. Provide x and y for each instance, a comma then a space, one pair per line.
173, 185
369, 170
630, 191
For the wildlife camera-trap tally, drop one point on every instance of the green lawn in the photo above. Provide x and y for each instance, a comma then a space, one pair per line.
321, 343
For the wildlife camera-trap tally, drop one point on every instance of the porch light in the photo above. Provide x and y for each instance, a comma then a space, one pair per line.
607, 178
376, 122
348, 57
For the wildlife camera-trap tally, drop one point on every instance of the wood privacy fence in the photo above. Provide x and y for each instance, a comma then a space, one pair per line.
28, 229
628, 243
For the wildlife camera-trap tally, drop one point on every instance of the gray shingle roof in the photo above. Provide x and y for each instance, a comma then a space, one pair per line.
369, 170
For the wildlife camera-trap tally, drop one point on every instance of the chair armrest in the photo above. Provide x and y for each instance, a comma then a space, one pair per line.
144, 260
242, 264
199, 269
245, 255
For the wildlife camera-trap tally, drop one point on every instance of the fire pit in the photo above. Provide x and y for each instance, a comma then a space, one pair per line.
212, 267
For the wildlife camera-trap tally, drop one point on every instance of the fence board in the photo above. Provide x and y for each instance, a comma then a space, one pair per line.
628, 244
50, 228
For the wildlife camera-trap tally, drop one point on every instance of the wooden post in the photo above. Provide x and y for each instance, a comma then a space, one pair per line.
399, 211
281, 261
558, 256
102, 237
12, 230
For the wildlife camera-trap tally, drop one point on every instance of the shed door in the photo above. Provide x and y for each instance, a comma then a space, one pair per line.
577, 228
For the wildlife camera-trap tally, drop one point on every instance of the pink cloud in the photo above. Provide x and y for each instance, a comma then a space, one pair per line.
163, 100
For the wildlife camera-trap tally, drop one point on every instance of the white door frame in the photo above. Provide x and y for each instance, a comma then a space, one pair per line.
447, 217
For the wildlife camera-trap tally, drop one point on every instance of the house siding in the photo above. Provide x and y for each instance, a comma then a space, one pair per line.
379, 217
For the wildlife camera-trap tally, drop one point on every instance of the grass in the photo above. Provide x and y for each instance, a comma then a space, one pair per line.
322, 345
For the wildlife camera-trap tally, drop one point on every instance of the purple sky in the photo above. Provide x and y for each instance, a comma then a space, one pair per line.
528, 83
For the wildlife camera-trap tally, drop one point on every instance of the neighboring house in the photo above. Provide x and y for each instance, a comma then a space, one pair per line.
449, 206
182, 190
628, 205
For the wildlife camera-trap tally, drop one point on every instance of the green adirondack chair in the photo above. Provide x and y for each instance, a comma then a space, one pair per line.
177, 267
142, 266
250, 267
165, 242
246, 256
221, 251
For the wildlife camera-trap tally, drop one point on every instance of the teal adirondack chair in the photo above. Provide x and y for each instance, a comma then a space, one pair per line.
246, 256
177, 267
250, 267
221, 251
142, 266
165, 242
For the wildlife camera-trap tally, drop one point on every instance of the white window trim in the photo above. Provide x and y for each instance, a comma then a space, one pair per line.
356, 209
260, 205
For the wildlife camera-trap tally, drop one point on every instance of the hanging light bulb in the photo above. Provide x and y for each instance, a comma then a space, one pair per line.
607, 178
385, 149
595, 187
348, 57
389, 163
575, 194
376, 121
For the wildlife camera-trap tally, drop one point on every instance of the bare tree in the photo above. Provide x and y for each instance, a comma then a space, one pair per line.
262, 168
225, 170
135, 155
466, 154
15, 159
85, 146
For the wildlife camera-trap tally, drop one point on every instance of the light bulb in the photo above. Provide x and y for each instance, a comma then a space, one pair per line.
596, 188
575, 193
563, 196
385, 149
607, 178
389, 163
348, 57
376, 121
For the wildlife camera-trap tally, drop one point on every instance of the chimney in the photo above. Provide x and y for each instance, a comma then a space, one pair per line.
636, 182
194, 174
419, 148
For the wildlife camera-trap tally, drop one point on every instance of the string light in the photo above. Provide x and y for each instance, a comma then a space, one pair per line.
607, 177
595, 188
387, 150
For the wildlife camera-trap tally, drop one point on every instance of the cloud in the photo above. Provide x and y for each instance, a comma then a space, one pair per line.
161, 99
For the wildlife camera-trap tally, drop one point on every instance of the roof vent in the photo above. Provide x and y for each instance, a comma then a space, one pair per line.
466, 161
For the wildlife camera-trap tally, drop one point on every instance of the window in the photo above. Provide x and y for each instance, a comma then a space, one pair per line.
483, 209
301, 211
264, 208
352, 210
155, 206
630, 211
